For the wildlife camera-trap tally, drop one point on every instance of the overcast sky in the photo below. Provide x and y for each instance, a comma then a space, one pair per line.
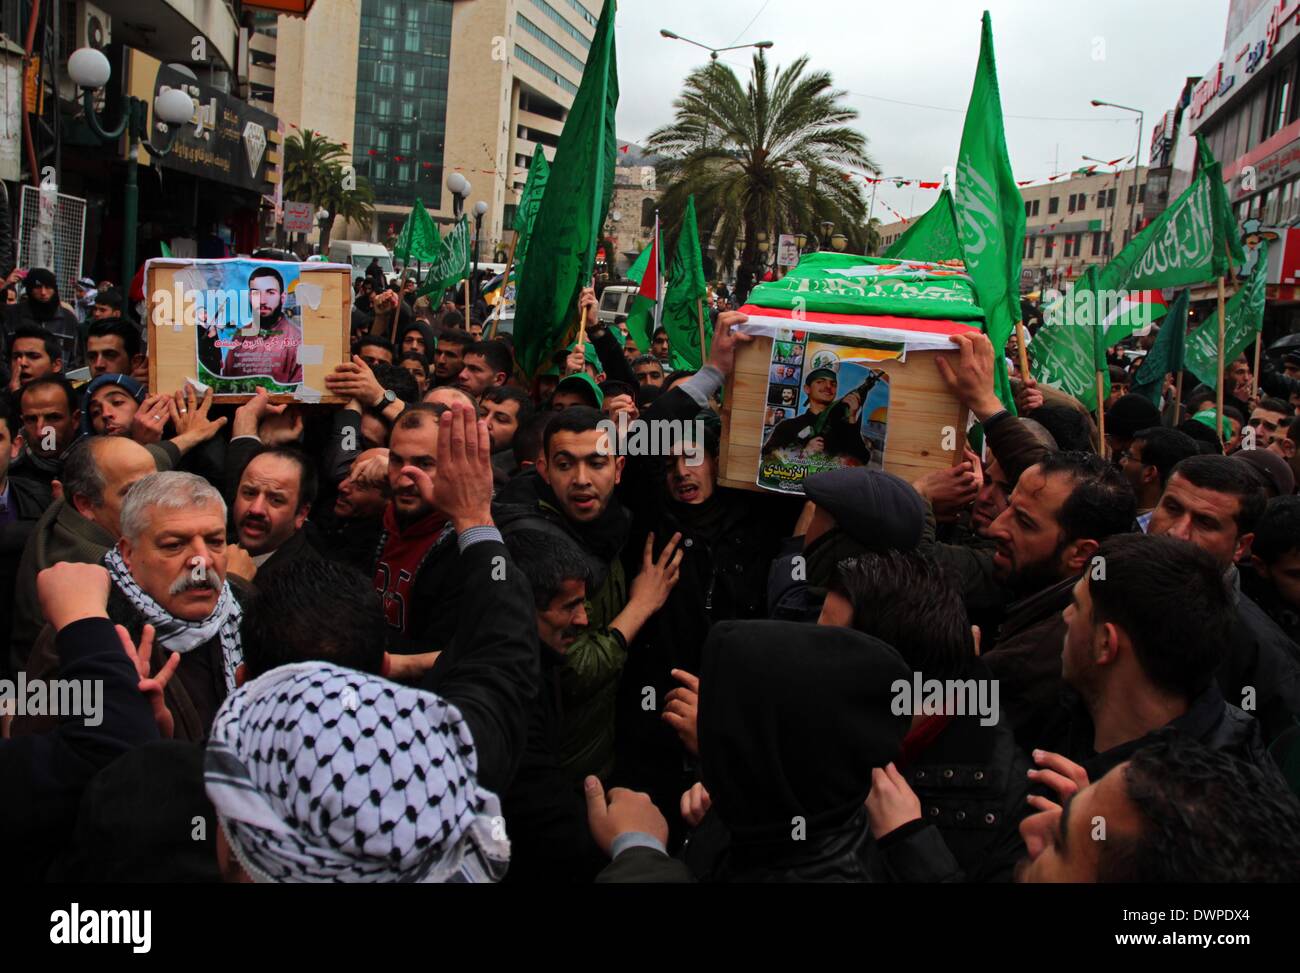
1053, 57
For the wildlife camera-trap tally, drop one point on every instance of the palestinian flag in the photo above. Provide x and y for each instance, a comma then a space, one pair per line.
918, 303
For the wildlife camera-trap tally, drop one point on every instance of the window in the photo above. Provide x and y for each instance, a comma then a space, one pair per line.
1129, 199
583, 12
564, 24
545, 70
1053, 205
648, 212
1142, 193
1073, 202
384, 107
409, 79
412, 41
381, 171
1049, 245
533, 30
381, 139
1096, 243
406, 141
384, 73
387, 44
1270, 207
1278, 108
1029, 247
1026, 207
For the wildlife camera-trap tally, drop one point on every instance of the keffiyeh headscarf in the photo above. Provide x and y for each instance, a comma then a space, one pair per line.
177, 634
325, 774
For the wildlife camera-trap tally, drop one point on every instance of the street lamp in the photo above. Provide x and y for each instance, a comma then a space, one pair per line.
89, 70
801, 241
480, 208
323, 220
1137, 157
714, 51
839, 241
460, 188
827, 227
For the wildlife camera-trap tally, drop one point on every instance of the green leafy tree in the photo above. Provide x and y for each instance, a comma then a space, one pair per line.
773, 155
314, 172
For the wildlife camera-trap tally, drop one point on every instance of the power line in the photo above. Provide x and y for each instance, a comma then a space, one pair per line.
751, 22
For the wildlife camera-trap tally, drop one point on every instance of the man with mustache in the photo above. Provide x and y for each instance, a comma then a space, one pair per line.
274, 497
169, 579
416, 571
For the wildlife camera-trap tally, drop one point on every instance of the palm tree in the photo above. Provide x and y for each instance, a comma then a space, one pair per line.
313, 171
770, 156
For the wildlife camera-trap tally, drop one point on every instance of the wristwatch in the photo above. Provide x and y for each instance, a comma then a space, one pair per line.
387, 399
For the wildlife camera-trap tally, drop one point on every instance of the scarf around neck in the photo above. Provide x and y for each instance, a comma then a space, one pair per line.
177, 634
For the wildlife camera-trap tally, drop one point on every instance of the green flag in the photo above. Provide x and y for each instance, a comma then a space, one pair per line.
1227, 247
990, 211
1070, 349
1243, 317
1166, 355
569, 220
933, 236
418, 241
686, 287
529, 200
452, 264
641, 314
1186, 244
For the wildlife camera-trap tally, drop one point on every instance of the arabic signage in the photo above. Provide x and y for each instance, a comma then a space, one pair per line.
1273, 26
225, 140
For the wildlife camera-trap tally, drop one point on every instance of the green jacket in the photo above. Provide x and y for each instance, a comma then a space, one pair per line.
588, 678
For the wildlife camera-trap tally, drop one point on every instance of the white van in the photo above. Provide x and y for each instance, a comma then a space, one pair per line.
359, 253
615, 302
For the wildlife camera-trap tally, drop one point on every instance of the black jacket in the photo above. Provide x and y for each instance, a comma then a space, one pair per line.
490, 670
972, 783
1026, 660
1209, 719
727, 544
48, 771
1261, 669
29, 500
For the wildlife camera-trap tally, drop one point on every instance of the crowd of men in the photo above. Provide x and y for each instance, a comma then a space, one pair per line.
449, 631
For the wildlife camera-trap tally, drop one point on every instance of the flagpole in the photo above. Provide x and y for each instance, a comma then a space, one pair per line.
1178, 398
1259, 341
1101, 414
699, 314
1020, 346
505, 285
1218, 393
659, 280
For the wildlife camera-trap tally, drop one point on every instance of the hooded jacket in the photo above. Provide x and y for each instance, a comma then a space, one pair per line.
49, 316
792, 719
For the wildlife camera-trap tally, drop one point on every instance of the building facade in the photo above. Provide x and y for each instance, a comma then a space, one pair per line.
468, 86
1071, 223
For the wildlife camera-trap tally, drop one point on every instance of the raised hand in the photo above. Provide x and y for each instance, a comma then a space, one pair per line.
657, 577
249, 415
152, 686
69, 592
1061, 774
682, 708
971, 380
190, 417
150, 419
722, 352
463, 490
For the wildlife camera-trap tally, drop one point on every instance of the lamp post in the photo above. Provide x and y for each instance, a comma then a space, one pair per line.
322, 220
839, 241
714, 51
89, 70
827, 228
480, 208
1137, 157
460, 188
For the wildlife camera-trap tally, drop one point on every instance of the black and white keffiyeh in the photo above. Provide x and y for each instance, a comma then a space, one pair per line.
176, 634
325, 774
